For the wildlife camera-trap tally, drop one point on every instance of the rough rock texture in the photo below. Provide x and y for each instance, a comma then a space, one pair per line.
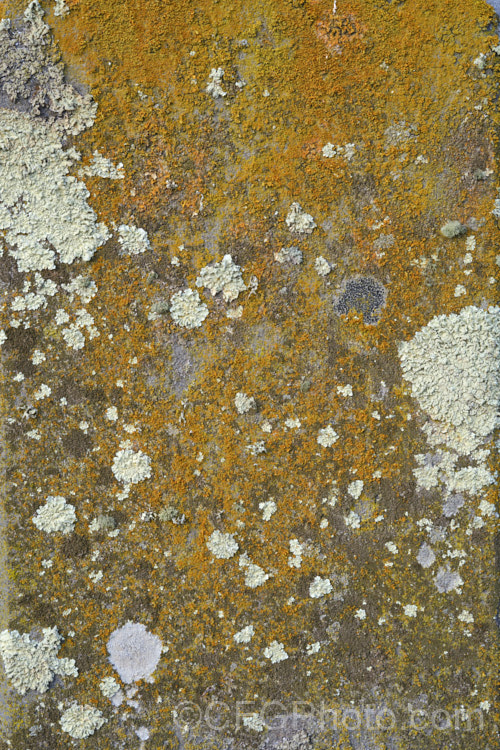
249, 345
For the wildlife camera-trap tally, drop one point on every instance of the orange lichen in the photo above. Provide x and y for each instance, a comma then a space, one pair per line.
204, 177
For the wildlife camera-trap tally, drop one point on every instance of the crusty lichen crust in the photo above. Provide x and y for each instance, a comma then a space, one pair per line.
249, 249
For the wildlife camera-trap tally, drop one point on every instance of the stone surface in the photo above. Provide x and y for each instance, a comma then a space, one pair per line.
249, 345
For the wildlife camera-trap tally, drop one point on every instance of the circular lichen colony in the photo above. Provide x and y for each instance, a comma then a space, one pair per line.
363, 295
452, 365
134, 652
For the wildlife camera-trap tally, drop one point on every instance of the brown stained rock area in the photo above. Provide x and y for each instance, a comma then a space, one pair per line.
379, 119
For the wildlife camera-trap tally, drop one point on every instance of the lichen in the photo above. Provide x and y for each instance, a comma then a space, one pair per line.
187, 310
44, 214
30, 664
222, 277
134, 652
131, 466
223, 546
56, 515
80, 721
298, 221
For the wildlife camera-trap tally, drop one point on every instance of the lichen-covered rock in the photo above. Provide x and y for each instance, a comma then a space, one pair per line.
32, 77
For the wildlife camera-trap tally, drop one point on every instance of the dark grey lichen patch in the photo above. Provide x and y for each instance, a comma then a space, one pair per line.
363, 294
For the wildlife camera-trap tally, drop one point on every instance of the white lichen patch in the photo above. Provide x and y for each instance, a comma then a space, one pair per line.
439, 468
31, 664
102, 522
55, 516
313, 648
256, 448
447, 580
322, 266
100, 166
290, 254
222, 277
268, 509
410, 610
452, 365
465, 616
44, 214
61, 317
81, 721
45, 287
81, 286
42, 392
243, 403
134, 652
73, 337
133, 240
223, 546
244, 635
30, 301
330, 150
486, 508
452, 229
275, 652
254, 721
187, 310
327, 437
131, 466
344, 390
60, 8
255, 576
111, 413
214, 85
38, 357
296, 548
234, 313
298, 221
355, 488
352, 520
319, 587
109, 687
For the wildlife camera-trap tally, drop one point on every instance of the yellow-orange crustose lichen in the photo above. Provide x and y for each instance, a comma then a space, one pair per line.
217, 286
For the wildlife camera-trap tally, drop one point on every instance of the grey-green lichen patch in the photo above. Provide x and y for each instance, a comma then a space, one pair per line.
44, 214
452, 365
80, 721
30, 663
